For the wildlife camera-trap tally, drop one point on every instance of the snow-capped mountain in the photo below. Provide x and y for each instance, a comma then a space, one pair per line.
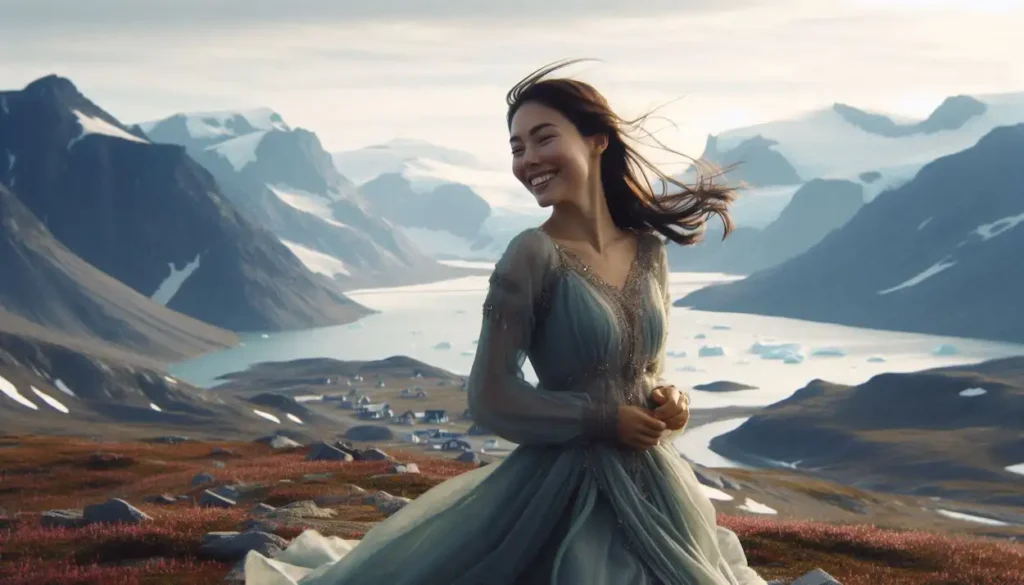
151, 217
940, 254
445, 192
878, 150
284, 180
816, 209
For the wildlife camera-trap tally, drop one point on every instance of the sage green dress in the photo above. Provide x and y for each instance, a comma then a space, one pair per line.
569, 505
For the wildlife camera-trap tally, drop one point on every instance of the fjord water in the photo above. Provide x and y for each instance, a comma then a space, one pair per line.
439, 323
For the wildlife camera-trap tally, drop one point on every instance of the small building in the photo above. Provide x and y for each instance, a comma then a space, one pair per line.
380, 411
456, 445
435, 416
406, 418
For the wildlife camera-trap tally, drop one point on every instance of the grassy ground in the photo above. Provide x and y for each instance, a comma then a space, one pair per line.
43, 473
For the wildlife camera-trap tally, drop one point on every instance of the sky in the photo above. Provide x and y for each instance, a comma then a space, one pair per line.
359, 73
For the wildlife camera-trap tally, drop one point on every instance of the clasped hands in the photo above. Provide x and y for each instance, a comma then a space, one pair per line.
641, 428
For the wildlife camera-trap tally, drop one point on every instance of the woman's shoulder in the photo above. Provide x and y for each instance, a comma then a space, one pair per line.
530, 249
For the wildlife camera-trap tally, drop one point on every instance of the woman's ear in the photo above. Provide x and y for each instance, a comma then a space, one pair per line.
599, 143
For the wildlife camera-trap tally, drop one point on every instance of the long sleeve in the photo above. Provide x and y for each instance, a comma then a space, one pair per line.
661, 270
500, 398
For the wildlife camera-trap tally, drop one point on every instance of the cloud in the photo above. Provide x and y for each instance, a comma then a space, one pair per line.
164, 14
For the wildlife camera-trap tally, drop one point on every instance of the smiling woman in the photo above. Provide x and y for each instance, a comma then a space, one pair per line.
594, 493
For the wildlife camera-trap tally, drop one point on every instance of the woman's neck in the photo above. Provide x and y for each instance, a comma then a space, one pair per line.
590, 223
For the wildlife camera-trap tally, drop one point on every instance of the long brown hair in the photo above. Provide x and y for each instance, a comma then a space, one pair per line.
680, 215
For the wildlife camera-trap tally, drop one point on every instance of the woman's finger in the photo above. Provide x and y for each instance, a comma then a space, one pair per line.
678, 421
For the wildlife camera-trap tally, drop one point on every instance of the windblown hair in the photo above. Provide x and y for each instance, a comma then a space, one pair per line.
681, 215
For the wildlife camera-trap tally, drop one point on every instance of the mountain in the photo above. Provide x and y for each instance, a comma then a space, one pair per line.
951, 432
881, 151
151, 217
453, 206
283, 180
938, 255
52, 383
45, 283
817, 208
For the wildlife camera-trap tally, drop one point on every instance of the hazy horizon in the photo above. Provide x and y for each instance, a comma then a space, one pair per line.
361, 74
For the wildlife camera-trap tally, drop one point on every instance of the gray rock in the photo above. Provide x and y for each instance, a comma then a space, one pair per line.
468, 457
161, 499
730, 484
227, 491
62, 519
374, 455
816, 577
324, 452
202, 479
233, 546
317, 477
302, 509
404, 468
283, 442
114, 511
386, 503
258, 525
236, 576
218, 464
222, 452
210, 499
262, 509
709, 479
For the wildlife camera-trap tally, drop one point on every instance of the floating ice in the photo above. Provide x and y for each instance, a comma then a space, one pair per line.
294, 418
1017, 468
711, 351
155, 407
828, 352
676, 354
971, 392
945, 349
443, 345
876, 359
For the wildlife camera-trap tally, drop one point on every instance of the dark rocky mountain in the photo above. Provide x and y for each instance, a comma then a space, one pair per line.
753, 162
938, 255
816, 209
45, 283
952, 113
450, 207
283, 180
72, 385
153, 218
949, 432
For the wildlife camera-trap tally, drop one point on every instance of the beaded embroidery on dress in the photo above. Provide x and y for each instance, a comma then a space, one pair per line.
569, 505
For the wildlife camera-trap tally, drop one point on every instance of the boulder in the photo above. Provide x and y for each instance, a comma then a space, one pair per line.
67, 518
816, 577
114, 511
202, 479
324, 452
374, 455
210, 499
233, 546
404, 468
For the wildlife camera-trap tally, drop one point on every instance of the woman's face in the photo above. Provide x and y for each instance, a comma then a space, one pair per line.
550, 157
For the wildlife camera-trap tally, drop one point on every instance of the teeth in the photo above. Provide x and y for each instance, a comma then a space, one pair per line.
542, 178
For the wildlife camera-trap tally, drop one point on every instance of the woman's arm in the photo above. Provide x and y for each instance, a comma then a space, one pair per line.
500, 399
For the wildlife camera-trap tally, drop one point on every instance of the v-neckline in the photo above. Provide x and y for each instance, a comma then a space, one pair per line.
587, 269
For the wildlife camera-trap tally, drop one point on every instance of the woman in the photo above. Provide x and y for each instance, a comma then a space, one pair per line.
594, 494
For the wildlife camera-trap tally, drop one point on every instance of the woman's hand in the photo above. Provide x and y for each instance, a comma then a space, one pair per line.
674, 407
638, 428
